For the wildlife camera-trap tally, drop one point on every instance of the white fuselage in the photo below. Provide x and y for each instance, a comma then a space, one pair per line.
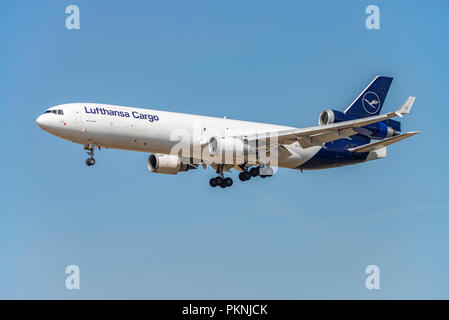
153, 131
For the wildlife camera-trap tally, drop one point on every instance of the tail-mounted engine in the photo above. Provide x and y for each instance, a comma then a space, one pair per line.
331, 116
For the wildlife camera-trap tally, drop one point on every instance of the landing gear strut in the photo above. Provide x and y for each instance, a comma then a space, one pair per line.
90, 151
220, 180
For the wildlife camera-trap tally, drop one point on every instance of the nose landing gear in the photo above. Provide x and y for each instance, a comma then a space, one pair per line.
90, 151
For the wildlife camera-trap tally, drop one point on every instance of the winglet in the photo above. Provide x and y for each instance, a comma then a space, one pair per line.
406, 106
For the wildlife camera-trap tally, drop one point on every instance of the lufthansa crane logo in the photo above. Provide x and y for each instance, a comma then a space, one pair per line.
371, 102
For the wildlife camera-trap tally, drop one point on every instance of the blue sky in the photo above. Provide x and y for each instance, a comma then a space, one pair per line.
135, 234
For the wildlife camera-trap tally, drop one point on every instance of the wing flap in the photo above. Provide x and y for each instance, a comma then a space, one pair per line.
283, 153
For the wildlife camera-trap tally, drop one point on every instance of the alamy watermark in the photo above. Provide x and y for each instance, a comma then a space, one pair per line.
373, 20
373, 280
72, 22
73, 279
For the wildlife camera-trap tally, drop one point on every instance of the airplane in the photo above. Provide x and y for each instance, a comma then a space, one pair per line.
179, 142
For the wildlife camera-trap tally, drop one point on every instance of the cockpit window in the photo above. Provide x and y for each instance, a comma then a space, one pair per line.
60, 112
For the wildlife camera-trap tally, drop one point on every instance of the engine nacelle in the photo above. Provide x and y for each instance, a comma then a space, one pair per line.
229, 147
377, 131
331, 116
165, 163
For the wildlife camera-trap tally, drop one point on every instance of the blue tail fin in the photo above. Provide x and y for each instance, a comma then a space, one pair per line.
370, 101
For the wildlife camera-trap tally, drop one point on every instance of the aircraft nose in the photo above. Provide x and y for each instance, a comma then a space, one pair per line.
41, 121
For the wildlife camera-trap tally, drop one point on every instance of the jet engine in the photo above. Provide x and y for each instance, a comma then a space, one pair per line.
228, 146
167, 164
379, 130
331, 116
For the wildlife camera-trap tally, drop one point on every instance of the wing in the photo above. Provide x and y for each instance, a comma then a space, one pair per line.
318, 135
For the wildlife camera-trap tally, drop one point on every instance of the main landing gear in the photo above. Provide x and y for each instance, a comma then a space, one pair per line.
245, 175
261, 171
90, 151
220, 180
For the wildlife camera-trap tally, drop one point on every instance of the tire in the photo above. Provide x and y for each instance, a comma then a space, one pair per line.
242, 176
228, 182
247, 175
213, 182
218, 180
88, 162
92, 161
254, 171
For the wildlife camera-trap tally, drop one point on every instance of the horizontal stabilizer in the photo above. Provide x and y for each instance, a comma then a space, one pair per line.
319, 135
382, 143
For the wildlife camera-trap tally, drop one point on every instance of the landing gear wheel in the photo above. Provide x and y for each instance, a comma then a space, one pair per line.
218, 180
245, 175
242, 176
90, 161
213, 182
227, 182
254, 171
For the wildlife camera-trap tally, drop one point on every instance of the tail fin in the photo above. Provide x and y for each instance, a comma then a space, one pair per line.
370, 101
